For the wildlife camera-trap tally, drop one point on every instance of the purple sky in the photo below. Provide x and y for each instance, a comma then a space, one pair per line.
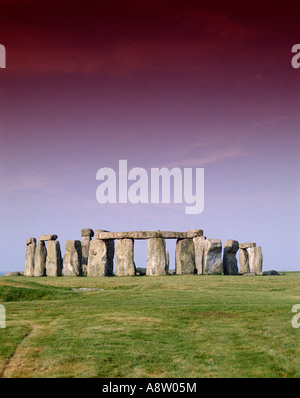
160, 83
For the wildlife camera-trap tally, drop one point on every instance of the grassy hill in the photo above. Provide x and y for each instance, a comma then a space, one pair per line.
171, 326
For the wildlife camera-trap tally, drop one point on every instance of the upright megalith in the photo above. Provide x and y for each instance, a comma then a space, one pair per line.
156, 257
244, 261
125, 265
185, 257
101, 257
72, 260
54, 263
230, 265
86, 235
244, 256
40, 259
212, 263
29, 258
199, 243
255, 259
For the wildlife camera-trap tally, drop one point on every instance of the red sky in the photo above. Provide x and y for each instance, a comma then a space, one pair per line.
160, 83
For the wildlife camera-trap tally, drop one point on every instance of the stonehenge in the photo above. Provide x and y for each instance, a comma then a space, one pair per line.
194, 254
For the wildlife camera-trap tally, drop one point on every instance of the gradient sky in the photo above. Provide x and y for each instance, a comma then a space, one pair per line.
159, 83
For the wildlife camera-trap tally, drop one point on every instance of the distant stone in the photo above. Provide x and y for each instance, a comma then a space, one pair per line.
244, 261
29, 257
85, 247
30, 240
40, 259
87, 232
171, 272
185, 257
124, 257
255, 259
156, 257
213, 257
272, 272
193, 233
247, 245
229, 257
14, 273
199, 243
140, 271
72, 260
47, 237
249, 273
54, 263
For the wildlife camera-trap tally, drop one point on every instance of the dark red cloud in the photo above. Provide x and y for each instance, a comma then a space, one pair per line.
129, 36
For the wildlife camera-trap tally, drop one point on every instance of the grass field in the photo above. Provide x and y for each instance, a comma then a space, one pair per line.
171, 326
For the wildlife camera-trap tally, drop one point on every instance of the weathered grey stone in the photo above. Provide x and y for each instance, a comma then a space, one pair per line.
156, 258
199, 243
100, 234
185, 257
101, 256
249, 273
247, 245
13, 273
29, 258
30, 240
244, 261
193, 233
255, 259
230, 266
40, 259
54, 259
213, 256
87, 232
167, 260
140, 271
124, 257
268, 273
85, 247
47, 237
72, 261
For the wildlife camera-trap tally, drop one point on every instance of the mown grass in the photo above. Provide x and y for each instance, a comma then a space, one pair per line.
171, 326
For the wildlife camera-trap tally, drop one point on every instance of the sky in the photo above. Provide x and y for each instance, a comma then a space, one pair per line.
168, 83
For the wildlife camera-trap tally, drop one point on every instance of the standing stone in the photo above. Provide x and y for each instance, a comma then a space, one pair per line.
40, 259
167, 260
156, 257
101, 257
229, 257
86, 234
72, 261
213, 257
124, 257
110, 247
199, 243
54, 260
185, 257
244, 261
29, 259
255, 259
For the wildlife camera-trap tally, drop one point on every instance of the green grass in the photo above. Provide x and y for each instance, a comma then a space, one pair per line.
171, 326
